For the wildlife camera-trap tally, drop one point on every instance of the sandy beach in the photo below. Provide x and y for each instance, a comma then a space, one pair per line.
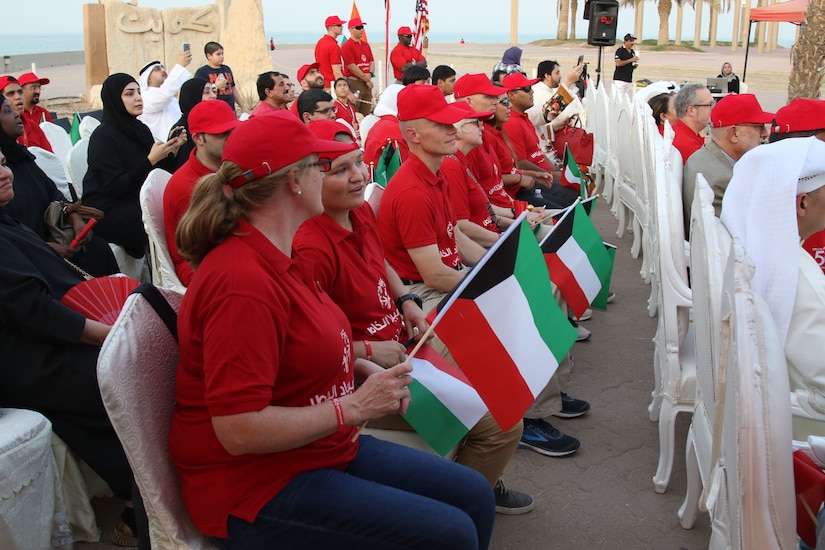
767, 72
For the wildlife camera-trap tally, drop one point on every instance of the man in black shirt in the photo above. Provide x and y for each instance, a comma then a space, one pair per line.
626, 60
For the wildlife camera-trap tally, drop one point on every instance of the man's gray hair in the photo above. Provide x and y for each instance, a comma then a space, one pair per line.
686, 97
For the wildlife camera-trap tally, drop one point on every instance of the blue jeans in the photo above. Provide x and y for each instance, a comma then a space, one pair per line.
389, 497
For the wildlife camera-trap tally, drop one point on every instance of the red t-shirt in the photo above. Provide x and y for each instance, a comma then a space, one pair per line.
176, 198
400, 56
415, 212
487, 168
254, 332
358, 53
33, 136
522, 137
467, 197
815, 245
264, 107
498, 148
37, 113
387, 129
327, 54
349, 266
347, 112
686, 140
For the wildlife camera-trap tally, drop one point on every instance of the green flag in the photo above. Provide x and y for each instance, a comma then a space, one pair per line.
601, 300
388, 164
75, 131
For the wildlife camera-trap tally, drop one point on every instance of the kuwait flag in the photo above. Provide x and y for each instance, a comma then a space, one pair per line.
388, 164
571, 176
578, 262
444, 405
503, 327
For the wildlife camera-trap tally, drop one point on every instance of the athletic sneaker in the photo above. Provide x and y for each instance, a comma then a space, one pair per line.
540, 436
572, 407
582, 333
588, 313
611, 296
511, 503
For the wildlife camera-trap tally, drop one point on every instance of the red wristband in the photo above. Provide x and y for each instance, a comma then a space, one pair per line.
339, 414
369, 350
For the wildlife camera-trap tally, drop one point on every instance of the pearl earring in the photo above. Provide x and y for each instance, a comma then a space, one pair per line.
298, 192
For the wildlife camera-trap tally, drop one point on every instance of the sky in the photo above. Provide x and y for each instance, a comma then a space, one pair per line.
536, 17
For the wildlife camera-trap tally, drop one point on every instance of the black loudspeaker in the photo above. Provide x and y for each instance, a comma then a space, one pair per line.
604, 15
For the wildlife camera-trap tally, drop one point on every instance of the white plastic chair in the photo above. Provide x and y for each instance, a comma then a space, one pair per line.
58, 139
136, 373
78, 163
151, 205
53, 167
750, 496
710, 243
88, 124
366, 125
674, 358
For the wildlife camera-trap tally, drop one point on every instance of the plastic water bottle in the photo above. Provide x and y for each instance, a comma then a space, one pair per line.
62, 538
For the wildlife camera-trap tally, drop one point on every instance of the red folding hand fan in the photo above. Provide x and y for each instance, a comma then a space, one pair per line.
101, 298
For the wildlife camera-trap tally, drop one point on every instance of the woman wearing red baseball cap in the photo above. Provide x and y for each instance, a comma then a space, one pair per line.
264, 433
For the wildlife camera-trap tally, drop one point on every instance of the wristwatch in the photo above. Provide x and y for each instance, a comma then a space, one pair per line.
414, 297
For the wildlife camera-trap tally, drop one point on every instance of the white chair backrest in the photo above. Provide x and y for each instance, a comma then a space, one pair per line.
754, 472
58, 139
366, 125
78, 163
151, 205
136, 373
53, 167
88, 124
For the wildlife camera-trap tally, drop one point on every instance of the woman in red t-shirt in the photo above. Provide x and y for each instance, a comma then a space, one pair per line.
264, 432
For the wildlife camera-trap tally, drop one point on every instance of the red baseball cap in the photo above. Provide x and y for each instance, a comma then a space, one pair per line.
302, 72
478, 83
736, 109
800, 115
212, 116
404, 31
31, 78
252, 151
326, 129
469, 112
427, 101
333, 20
517, 80
355, 22
5, 80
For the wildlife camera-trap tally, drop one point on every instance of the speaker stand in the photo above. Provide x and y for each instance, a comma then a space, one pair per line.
599, 66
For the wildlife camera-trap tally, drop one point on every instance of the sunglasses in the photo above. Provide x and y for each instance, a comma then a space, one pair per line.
359, 27
525, 89
504, 101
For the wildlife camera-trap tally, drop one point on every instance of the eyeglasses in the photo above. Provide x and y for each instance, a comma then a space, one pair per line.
504, 101
359, 27
328, 110
324, 164
702, 105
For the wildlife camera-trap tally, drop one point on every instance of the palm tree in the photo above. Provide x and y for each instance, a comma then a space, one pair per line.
513, 22
563, 9
808, 55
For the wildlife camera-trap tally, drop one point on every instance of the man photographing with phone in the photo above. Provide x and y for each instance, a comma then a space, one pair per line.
549, 74
159, 89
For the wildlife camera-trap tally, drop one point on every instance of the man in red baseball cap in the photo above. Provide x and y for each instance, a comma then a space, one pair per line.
737, 126
31, 97
359, 65
32, 136
309, 77
404, 55
328, 53
422, 242
210, 123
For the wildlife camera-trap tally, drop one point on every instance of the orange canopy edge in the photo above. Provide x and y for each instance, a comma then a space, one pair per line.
792, 11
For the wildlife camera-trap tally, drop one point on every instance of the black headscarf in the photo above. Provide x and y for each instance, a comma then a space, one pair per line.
191, 93
114, 112
14, 152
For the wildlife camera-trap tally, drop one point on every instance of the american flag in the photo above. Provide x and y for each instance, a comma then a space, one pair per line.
422, 24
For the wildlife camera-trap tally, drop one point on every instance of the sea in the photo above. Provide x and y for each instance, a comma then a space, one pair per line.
11, 44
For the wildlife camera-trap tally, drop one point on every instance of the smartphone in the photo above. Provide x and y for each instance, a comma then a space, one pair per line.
175, 132
579, 62
186, 46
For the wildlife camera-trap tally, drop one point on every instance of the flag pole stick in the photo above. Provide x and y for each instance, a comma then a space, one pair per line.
417, 347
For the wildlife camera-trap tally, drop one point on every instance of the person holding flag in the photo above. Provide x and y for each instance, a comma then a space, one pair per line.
425, 246
348, 264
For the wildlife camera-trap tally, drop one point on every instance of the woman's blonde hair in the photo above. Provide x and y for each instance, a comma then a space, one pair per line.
216, 208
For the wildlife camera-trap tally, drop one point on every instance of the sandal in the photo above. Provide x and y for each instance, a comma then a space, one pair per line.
124, 535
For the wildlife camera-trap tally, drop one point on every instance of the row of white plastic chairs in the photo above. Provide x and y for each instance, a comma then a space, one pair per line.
640, 174
68, 162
